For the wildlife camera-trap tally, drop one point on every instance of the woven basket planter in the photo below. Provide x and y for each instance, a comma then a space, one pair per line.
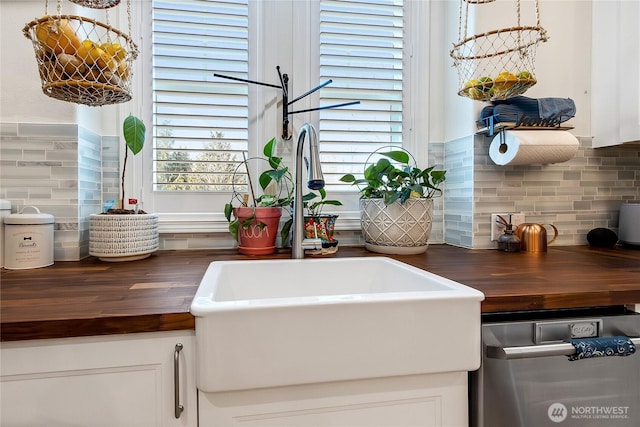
116, 238
401, 229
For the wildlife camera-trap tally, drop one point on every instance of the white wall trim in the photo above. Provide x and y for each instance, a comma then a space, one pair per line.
187, 223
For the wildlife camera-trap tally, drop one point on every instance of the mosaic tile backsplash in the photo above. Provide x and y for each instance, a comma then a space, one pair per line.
57, 168
67, 171
576, 196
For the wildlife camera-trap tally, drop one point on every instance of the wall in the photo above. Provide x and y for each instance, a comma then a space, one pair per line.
50, 150
474, 185
576, 196
56, 168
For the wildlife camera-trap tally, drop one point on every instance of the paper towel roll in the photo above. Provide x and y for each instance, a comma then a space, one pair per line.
533, 147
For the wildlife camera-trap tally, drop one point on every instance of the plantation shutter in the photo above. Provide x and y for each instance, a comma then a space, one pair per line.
361, 50
200, 121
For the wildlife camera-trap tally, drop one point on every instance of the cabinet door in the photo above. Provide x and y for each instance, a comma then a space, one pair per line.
434, 400
615, 89
123, 380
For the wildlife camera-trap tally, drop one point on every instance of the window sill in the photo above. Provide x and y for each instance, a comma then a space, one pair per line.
188, 223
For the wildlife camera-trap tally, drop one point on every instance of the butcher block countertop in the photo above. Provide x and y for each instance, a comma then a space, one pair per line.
91, 297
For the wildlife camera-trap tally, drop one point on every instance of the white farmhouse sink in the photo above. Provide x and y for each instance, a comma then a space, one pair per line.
267, 323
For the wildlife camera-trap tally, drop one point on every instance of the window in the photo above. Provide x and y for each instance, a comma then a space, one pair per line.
200, 126
204, 126
361, 50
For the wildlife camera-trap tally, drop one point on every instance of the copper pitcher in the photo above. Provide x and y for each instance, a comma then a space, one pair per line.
533, 237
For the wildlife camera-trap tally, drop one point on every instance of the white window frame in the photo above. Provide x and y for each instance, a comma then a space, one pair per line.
269, 46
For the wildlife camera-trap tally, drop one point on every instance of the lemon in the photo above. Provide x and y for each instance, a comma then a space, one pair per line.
524, 75
504, 81
475, 93
472, 83
115, 50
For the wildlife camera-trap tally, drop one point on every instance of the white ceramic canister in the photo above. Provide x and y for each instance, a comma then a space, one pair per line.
5, 210
629, 223
28, 239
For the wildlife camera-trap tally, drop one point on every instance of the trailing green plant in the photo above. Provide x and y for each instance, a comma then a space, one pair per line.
390, 182
315, 208
276, 184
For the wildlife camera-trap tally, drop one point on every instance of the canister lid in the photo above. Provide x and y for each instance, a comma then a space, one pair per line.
5, 205
29, 218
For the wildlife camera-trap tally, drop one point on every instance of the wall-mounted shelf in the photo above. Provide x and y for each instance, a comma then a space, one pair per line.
490, 126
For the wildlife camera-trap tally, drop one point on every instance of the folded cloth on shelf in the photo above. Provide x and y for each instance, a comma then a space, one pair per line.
519, 107
601, 347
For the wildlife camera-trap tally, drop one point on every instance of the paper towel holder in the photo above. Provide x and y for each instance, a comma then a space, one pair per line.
517, 147
490, 125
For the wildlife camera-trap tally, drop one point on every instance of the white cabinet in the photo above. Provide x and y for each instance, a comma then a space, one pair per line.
615, 88
435, 400
116, 380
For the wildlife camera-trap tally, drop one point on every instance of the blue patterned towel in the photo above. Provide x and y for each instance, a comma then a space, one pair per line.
600, 347
512, 109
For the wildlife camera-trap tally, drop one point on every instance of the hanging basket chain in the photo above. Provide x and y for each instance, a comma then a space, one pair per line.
497, 64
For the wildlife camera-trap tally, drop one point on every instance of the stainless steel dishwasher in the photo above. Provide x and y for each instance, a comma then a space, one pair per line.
527, 380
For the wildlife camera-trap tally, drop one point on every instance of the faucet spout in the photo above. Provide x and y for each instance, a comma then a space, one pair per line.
315, 181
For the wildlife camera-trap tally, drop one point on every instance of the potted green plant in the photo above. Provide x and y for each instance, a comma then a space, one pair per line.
120, 234
319, 225
254, 223
396, 203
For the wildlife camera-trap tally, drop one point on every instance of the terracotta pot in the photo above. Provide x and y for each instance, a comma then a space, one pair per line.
398, 228
259, 238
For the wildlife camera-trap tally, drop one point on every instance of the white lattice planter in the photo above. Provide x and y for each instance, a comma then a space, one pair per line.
116, 238
397, 228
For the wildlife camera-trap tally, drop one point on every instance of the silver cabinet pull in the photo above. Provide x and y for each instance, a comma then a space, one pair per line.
178, 408
529, 351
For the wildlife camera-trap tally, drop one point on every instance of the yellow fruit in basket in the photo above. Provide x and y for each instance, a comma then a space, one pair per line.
524, 75
116, 50
91, 54
102, 75
123, 70
70, 64
472, 83
50, 72
57, 36
504, 81
475, 93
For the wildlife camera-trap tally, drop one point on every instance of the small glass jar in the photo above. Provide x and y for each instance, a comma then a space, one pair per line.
508, 242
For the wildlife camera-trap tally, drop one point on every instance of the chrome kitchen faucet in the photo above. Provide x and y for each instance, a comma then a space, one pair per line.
315, 181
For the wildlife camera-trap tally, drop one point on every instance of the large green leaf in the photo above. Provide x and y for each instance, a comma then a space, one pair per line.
269, 148
284, 233
228, 209
398, 156
134, 133
348, 178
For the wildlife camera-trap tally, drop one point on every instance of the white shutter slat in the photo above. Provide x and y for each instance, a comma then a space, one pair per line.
200, 122
361, 50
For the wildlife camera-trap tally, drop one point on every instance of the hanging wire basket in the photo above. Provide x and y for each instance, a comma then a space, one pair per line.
82, 60
497, 64
96, 4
